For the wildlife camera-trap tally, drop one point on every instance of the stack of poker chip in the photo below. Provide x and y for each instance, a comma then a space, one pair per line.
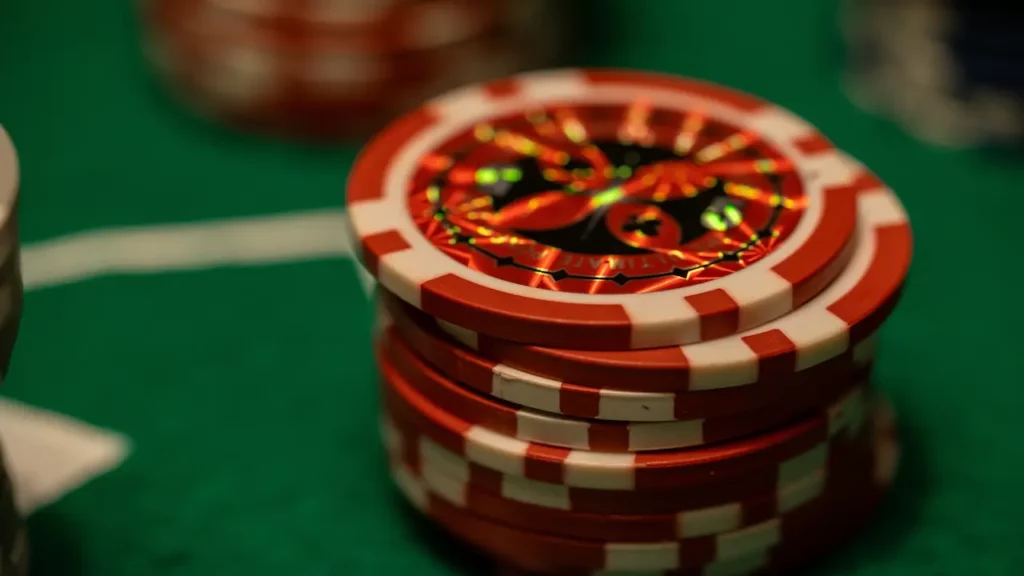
335, 69
13, 541
628, 323
950, 72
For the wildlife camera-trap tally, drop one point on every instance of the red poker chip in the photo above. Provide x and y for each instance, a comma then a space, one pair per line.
537, 550
321, 96
725, 516
621, 471
353, 27
238, 70
580, 400
406, 443
397, 360
785, 559
827, 331
791, 540
607, 209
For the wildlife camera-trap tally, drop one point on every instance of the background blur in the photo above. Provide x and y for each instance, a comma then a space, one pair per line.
190, 292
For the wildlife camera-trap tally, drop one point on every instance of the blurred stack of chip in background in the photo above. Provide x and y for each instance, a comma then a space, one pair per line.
338, 69
13, 541
951, 72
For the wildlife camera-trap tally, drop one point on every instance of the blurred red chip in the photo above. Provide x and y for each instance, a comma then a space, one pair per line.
340, 69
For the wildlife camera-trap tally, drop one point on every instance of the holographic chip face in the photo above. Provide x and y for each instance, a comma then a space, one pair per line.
606, 198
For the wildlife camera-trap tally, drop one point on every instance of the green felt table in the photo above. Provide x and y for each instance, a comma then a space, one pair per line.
247, 388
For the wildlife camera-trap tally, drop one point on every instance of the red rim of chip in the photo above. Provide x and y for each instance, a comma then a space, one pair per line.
464, 365
398, 361
427, 242
827, 328
286, 25
10, 178
621, 471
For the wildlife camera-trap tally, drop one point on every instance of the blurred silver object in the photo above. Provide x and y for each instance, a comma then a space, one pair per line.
927, 65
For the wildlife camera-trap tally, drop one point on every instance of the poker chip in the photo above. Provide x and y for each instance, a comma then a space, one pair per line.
398, 362
619, 471
288, 27
581, 400
522, 226
328, 71
855, 489
798, 483
432, 459
828, 326
560, 553
627, 323
948, 71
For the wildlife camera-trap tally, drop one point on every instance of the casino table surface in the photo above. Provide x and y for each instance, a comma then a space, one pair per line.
189, 288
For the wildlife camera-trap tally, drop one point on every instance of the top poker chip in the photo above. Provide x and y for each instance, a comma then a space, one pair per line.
602, 209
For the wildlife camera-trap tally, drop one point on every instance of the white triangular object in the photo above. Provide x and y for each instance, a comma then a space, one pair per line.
48, 454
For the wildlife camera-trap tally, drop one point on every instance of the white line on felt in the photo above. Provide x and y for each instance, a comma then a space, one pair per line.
191, 246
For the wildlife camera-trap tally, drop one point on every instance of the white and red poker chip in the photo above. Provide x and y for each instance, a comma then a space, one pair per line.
628, 321
720, 493
289, 27
446, 221
332, 70
617, 470
397, 361
843, 500
561, 553
582, 399
447, 474
828, 326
